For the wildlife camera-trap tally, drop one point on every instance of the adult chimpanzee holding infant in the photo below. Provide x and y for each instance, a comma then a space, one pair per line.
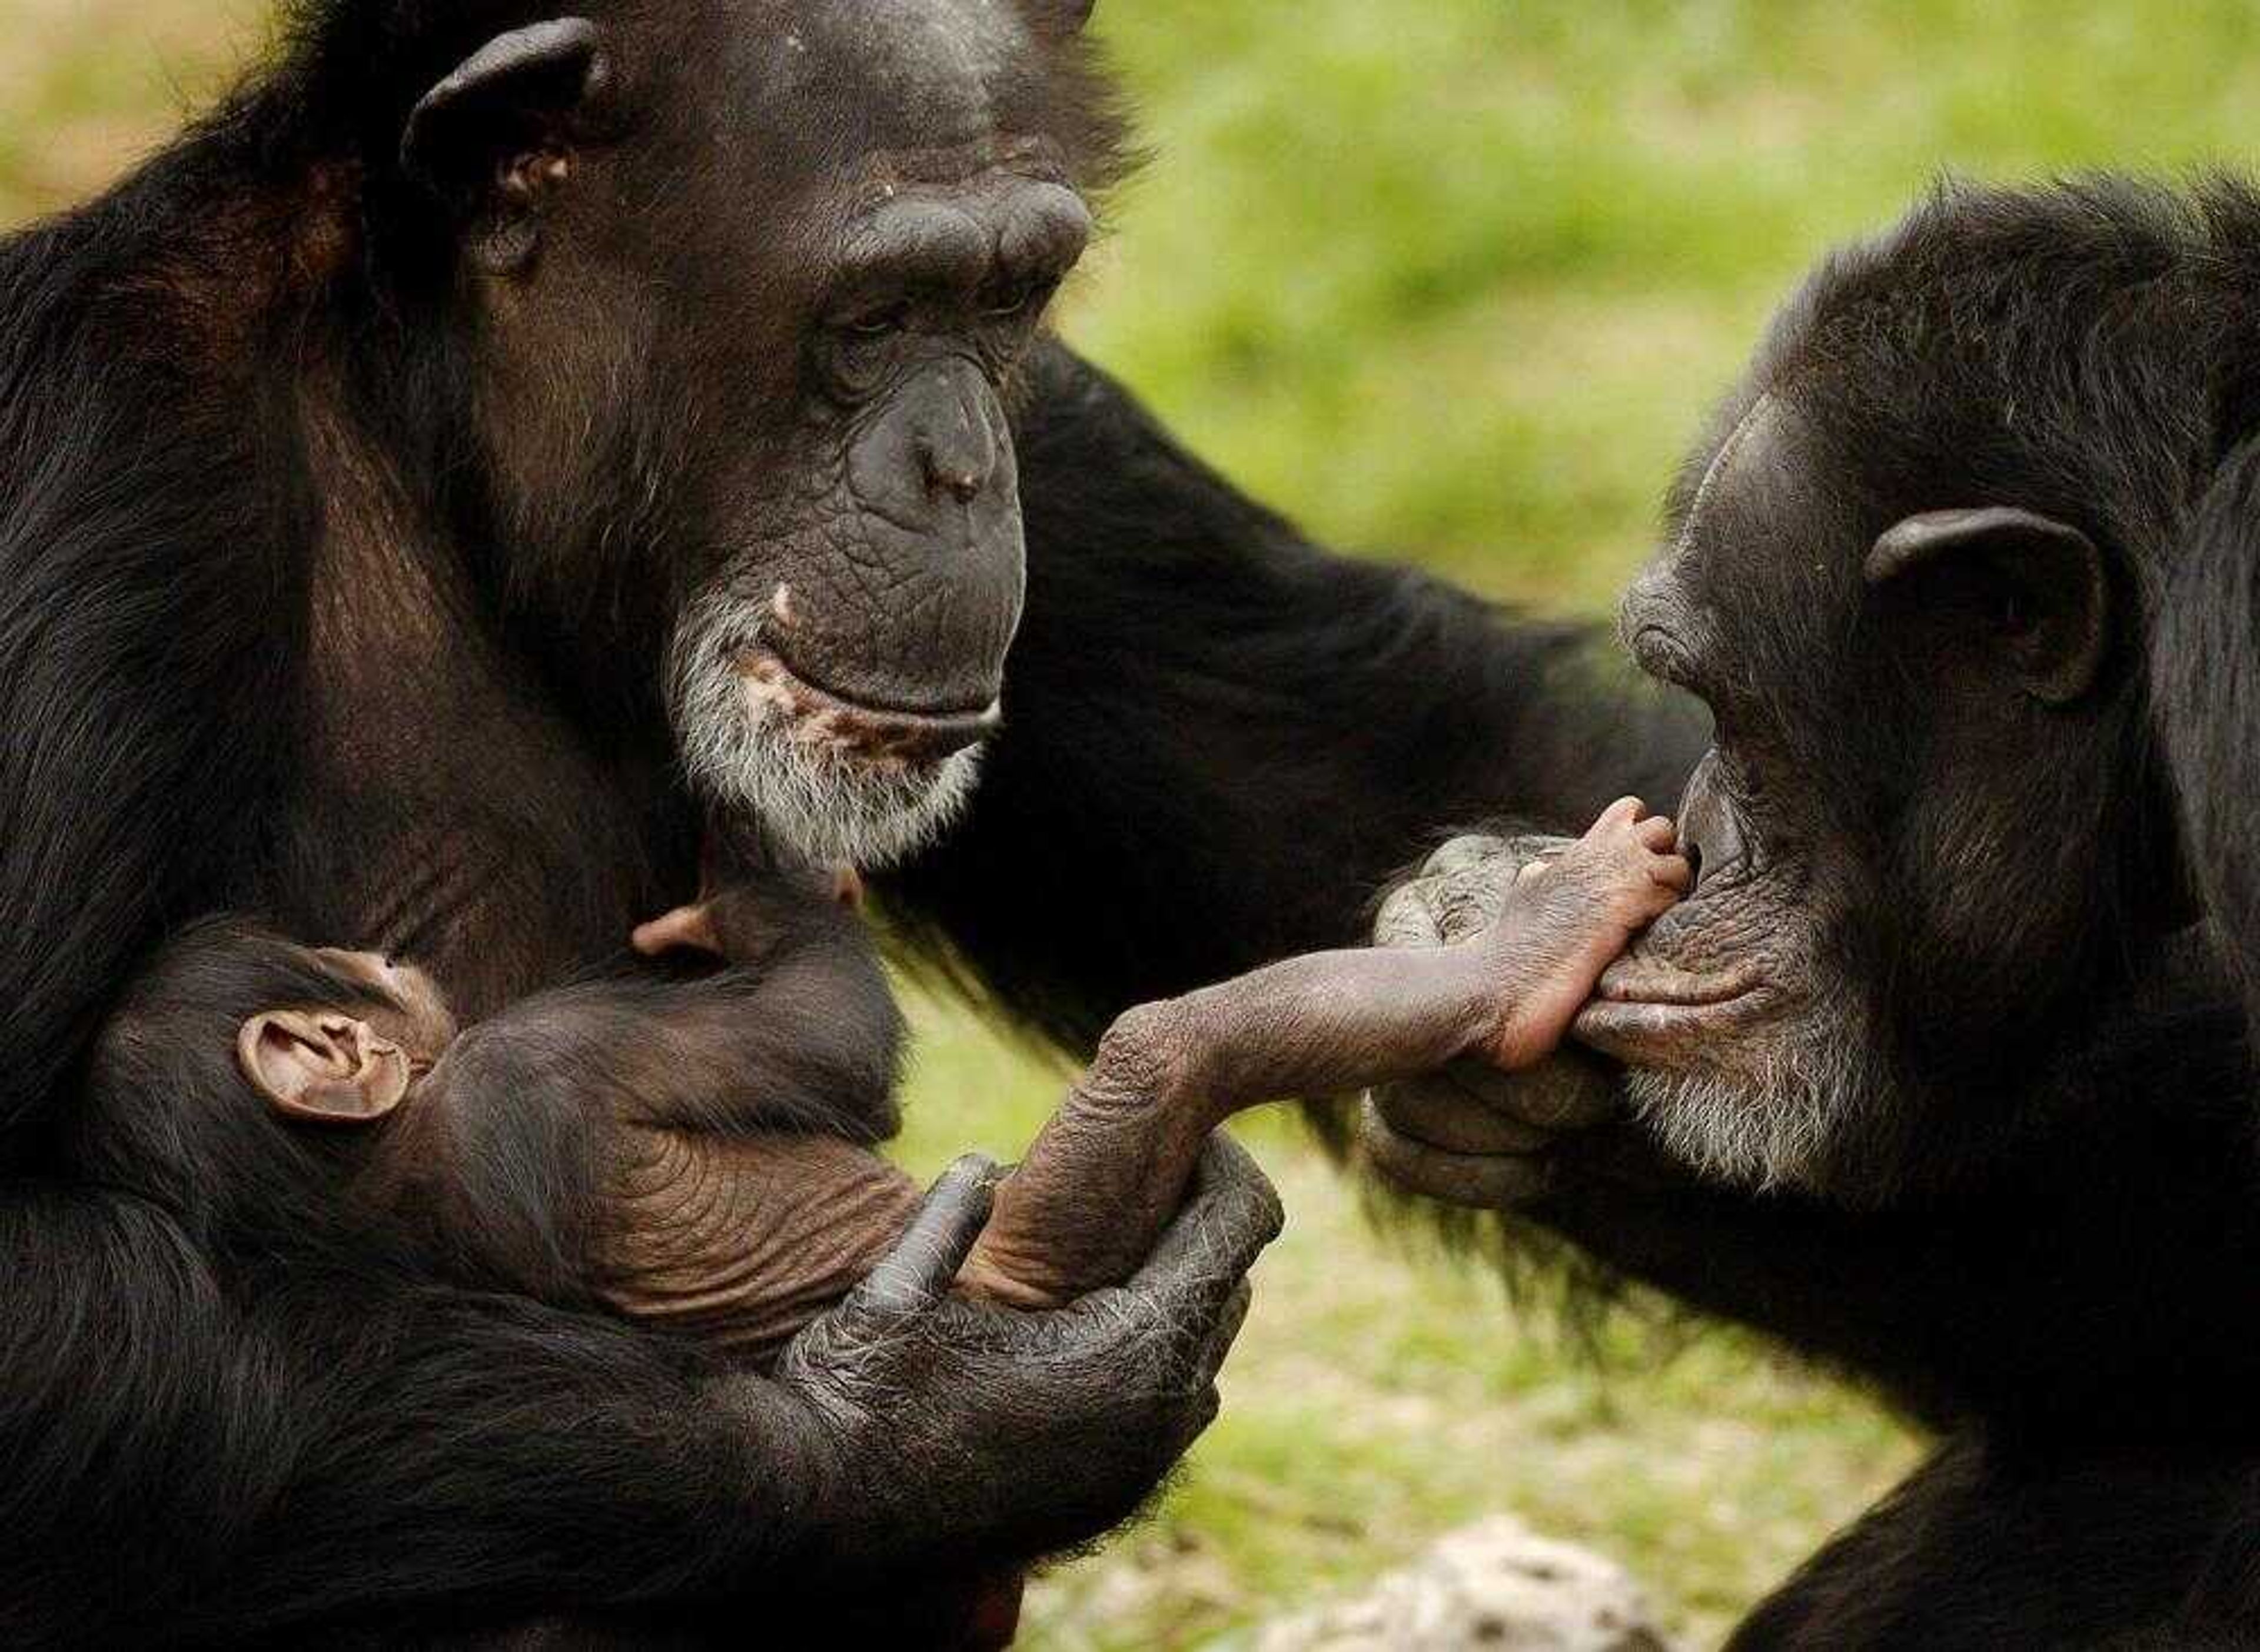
656, 1146
642, 409
483, 421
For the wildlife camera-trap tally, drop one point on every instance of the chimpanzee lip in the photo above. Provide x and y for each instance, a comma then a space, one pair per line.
1631, 980
825, 716
1627, 1016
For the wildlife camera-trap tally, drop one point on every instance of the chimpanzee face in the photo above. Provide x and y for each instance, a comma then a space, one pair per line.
1899, 827
752, 283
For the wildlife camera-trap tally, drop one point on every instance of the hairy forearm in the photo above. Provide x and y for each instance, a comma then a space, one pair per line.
1962, 1306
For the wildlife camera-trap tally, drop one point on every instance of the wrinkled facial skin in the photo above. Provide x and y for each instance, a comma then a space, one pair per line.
1744, 1036
1896, 842
773, 327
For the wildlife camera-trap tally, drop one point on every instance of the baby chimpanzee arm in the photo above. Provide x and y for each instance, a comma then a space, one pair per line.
799, 1033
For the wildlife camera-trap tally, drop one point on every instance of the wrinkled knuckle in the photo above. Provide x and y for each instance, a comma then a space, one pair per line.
1260, 1215
1464, 908
1406, 918
1457, 855
1107, 1318
1146, 1052
1388, 1106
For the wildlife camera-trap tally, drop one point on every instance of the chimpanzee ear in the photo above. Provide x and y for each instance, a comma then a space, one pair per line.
2042, 592
497, 137
326, 1067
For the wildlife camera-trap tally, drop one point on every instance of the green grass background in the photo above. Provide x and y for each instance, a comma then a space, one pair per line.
1450, 279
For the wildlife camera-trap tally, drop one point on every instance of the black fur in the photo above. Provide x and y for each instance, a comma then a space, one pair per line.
2046, 1241
194, 370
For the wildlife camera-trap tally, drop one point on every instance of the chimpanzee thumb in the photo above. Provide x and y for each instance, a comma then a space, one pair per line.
918, 1272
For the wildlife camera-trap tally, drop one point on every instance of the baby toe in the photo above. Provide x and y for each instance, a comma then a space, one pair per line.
1673, 872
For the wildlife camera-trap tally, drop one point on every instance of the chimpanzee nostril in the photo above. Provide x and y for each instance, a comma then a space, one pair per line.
961, 484
956, 448
1710, 831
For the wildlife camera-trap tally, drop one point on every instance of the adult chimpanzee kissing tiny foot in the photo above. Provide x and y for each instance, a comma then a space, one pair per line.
1113, 1164
1960, 1107
1570, 915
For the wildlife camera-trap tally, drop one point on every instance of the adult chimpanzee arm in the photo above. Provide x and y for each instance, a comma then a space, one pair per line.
1957, 1304
1219, 739
334, 1446
800, 1032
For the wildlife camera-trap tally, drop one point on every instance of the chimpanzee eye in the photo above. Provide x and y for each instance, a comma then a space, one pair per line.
878, 324
1018, 299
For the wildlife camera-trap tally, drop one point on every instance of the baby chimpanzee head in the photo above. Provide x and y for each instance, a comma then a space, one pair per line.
226, 1047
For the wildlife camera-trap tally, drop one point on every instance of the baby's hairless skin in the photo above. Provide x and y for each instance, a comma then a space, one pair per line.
1112, 1164
1083, 1208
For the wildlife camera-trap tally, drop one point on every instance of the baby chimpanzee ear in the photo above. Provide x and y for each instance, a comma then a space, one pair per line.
497, 137
322, 1066
2037, 585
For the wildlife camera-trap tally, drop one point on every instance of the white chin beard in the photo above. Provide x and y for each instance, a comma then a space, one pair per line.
1778, 1127
821, 800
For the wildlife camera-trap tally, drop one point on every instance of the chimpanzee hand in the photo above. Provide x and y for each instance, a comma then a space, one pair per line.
748, 918
952, 1433
1471, 1134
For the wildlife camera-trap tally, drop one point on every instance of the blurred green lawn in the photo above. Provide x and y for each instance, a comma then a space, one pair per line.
1450, 279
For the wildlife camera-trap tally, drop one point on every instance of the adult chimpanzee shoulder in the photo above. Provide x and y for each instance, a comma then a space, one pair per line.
491, 442
1943, 1073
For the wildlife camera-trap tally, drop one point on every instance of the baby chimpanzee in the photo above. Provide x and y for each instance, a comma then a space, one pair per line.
695, 1153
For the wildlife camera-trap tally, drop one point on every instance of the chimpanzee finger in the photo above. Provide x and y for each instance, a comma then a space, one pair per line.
1476, 1183
1568, 1091
1204, 1253
919, 1271
1189, 1419
1656, 833
1212, 1355
1440, 1111
1189, 1365
1197, 1377
1408, 917
1472, 853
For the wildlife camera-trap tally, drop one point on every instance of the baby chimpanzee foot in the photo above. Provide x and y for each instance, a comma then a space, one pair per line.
1567, 919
